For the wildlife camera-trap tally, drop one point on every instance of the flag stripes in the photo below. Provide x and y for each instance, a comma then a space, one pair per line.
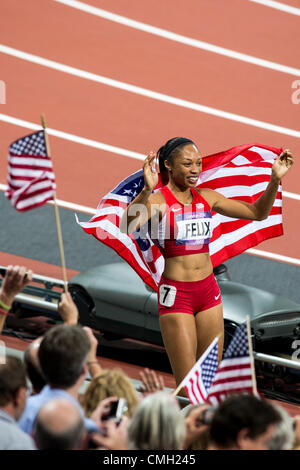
31, 181
234, 374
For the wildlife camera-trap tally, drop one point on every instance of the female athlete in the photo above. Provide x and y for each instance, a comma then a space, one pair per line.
189, 299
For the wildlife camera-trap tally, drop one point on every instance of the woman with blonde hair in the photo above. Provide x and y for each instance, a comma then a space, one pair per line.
109, 383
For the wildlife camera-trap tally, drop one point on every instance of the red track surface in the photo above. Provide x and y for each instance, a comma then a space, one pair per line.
120, 118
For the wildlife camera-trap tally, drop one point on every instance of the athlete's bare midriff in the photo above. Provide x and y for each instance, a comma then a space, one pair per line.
188, 268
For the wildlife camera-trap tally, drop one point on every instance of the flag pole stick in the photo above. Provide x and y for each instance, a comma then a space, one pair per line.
251, 356
180, 385
58, 225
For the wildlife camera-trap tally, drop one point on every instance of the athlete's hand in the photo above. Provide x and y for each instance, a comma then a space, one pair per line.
150, 170
282, 164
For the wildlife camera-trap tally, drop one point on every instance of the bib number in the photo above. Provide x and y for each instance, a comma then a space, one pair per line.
167, 295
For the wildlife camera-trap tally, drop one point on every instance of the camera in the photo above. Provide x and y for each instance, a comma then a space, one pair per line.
117, 409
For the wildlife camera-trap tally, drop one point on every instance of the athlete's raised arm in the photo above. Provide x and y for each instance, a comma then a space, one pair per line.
262, 207
140, 210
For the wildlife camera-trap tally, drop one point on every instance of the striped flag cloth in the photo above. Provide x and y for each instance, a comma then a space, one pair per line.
31, 181
199, 379
241, 173
234, 372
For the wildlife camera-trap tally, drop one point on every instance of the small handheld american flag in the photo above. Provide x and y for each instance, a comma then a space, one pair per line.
198, 381
235, 374
31, 181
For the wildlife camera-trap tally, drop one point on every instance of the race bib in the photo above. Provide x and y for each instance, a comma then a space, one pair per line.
167, 295
193, 229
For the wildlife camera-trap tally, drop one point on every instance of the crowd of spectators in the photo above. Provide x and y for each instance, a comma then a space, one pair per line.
42, 405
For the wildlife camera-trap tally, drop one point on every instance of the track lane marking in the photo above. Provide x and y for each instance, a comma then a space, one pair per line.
148, 93
179, 38
94, 144
278, 6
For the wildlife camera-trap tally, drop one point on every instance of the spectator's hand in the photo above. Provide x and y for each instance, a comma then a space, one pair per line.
92, 362
16, 278
102, 410
94, 344
114, 436
68, 309
151, 381
194, 425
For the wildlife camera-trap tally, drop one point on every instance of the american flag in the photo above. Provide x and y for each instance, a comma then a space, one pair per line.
199, 379
241, 173
31, 181
234, 372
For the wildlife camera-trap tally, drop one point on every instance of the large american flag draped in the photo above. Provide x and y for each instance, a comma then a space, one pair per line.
199, 379
234, 372
31, 181
241, 173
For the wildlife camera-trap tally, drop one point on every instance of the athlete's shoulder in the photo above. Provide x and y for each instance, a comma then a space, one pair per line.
208, 194
157, 198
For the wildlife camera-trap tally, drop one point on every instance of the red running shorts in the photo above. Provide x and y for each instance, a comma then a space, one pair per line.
188, 297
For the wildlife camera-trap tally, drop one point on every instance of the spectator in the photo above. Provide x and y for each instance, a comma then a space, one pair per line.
283, 436
296, 427
113, 437
69, 314
33, 368
157, 424
197, 426
59, 425
15, 280
109, 383
13, 394
63, 356
243, 422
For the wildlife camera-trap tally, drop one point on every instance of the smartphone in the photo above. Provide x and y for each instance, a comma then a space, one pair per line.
117, 409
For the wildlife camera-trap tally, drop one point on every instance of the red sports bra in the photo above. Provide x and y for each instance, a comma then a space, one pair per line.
185, 229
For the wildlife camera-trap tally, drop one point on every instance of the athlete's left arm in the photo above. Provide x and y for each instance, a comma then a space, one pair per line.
261, 208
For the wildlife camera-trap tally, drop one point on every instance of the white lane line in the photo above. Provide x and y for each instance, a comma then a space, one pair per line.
73, 138
148, 93
279, 6
179, 38
95, 144
291, 195
92, 211
64, 204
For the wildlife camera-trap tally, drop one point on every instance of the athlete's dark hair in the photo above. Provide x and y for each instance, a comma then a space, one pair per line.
171, 149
